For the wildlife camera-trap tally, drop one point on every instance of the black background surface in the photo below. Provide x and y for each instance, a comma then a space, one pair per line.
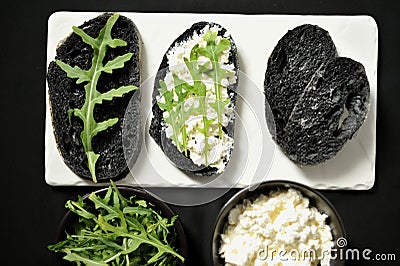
31, 210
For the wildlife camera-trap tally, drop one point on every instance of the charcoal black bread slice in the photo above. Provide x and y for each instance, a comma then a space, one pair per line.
65, 94
329, 108
156, 128
293, 62
315, 131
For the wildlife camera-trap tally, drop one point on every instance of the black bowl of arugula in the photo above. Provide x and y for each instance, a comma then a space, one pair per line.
119, 226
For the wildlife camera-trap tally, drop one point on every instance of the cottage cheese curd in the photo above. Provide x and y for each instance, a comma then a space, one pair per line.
218, 147
276, 229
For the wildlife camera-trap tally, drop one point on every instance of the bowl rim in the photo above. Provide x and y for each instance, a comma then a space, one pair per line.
241, 195
141, 194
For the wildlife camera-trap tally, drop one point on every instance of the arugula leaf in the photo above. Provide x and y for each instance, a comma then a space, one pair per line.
169, 105
182, 89
213, 51
113, 230
74, 257
99, 45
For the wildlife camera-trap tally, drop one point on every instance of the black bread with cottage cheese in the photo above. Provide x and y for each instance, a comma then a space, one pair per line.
317, 100
65, 94
156, 130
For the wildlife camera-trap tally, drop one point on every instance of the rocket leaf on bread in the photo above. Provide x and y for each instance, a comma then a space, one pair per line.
90, 77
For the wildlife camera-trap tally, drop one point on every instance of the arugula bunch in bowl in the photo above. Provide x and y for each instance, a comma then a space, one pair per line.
106, 228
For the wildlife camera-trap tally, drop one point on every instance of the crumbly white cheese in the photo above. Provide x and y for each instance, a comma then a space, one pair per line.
219, 148
282, 221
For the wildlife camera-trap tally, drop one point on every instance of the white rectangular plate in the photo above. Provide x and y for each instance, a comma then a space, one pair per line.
255, 157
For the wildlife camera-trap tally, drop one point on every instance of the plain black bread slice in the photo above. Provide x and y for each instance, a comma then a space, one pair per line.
65, 94
315, 131
156, 128
318, 101
295, 59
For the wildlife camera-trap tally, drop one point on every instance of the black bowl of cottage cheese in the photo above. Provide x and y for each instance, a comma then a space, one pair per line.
278, 223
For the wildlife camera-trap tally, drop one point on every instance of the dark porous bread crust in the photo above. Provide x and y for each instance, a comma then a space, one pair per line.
65, 94
156, 128
308, 88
